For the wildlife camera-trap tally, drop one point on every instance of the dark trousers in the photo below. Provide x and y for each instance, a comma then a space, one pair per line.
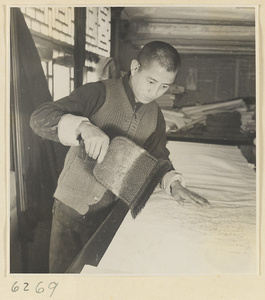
71, 231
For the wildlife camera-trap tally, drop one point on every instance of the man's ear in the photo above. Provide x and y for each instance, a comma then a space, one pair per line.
134, 66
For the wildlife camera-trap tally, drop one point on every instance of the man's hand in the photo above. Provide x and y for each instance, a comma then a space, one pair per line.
95, 140
182, 195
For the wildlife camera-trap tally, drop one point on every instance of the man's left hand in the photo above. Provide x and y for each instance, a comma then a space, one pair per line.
182, 195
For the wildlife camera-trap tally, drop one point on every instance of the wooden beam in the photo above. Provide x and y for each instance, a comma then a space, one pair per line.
190, 31
195, 42
209, 49
202, 46
201, 14
242, 23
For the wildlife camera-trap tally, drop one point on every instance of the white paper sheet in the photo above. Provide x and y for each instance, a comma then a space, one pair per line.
168, 239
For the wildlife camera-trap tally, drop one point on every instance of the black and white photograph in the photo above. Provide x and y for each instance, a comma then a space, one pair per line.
133, 140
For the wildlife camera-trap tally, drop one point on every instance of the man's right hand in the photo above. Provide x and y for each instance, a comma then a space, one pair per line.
95, 140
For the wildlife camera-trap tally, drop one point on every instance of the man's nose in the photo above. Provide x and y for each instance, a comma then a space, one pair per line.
153, 91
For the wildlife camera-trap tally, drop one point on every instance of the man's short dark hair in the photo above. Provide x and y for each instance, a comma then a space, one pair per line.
165, 54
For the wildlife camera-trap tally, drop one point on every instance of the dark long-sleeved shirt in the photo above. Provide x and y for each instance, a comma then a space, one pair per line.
86, 101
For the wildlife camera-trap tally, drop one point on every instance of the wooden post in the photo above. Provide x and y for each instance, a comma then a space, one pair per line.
79, 46
115, 29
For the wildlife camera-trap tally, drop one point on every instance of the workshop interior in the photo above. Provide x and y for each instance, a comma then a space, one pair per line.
211, 121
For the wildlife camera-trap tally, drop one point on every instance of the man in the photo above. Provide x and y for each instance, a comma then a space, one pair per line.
95, 113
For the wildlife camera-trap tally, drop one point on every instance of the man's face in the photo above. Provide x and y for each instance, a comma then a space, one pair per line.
150, 83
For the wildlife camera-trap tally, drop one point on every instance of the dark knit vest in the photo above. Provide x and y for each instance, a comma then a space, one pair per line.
77, 187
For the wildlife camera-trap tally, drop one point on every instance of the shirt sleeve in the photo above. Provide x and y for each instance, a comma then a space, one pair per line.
83, 102
67, 127
170, 177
